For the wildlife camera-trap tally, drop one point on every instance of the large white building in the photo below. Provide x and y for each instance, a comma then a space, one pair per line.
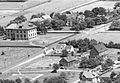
22, 31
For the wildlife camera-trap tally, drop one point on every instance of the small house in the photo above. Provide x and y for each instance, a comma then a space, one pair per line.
98, 49
70, 49
90, 76
67, 61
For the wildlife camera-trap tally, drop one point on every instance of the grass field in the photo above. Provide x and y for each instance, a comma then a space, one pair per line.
105, 4
49, 38
44, 62
15, 55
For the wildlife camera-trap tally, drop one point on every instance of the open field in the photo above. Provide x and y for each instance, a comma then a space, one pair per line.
15, 55
105, 4
112, 54
102, 37
44, 62
55, 6
49, 38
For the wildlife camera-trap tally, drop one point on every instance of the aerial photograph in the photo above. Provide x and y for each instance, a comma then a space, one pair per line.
59, 41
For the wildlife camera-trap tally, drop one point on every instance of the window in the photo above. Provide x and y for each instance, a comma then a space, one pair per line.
24, 35
20, 31
24, 31
17, 31
21, 35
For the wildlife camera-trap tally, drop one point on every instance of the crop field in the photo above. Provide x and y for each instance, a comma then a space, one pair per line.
105, 4
12, 55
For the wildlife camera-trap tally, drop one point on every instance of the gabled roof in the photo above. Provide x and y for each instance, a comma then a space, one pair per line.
88, 74
100, 47
46, 17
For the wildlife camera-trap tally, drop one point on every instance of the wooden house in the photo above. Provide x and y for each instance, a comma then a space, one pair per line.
98, 49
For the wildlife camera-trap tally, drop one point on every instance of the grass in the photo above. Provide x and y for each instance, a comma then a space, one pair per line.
15, 55
105, 4
44, 62
49, 38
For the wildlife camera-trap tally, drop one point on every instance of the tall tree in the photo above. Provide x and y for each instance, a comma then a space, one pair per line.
88, 13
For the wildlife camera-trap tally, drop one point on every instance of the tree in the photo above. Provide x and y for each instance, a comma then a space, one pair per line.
119, 58
98, 20
63, 75
104, 19
51, 15
102, 11
18, 80
82, 25
68, 12
95, 11
88, 13
109, 62
57, 24
116, 5
115, 25
55, 68
57, 79
90, 22
39, 15
36, 81
27, 80
112, 75
110, 44
64, 53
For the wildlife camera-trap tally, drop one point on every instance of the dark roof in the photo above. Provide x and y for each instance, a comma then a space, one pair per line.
100, 47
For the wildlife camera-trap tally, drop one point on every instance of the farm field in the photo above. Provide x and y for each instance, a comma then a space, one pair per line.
105, 4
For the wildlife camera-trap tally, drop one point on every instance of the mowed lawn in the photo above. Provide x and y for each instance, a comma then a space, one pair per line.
105, 4
49, 38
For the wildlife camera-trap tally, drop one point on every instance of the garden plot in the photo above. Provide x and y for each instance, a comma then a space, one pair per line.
105, 4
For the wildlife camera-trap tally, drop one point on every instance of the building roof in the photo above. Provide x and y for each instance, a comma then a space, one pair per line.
69, 58
88, 74
69, 48
100, 47
72, 16
37, 20
46, 17
24, 25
